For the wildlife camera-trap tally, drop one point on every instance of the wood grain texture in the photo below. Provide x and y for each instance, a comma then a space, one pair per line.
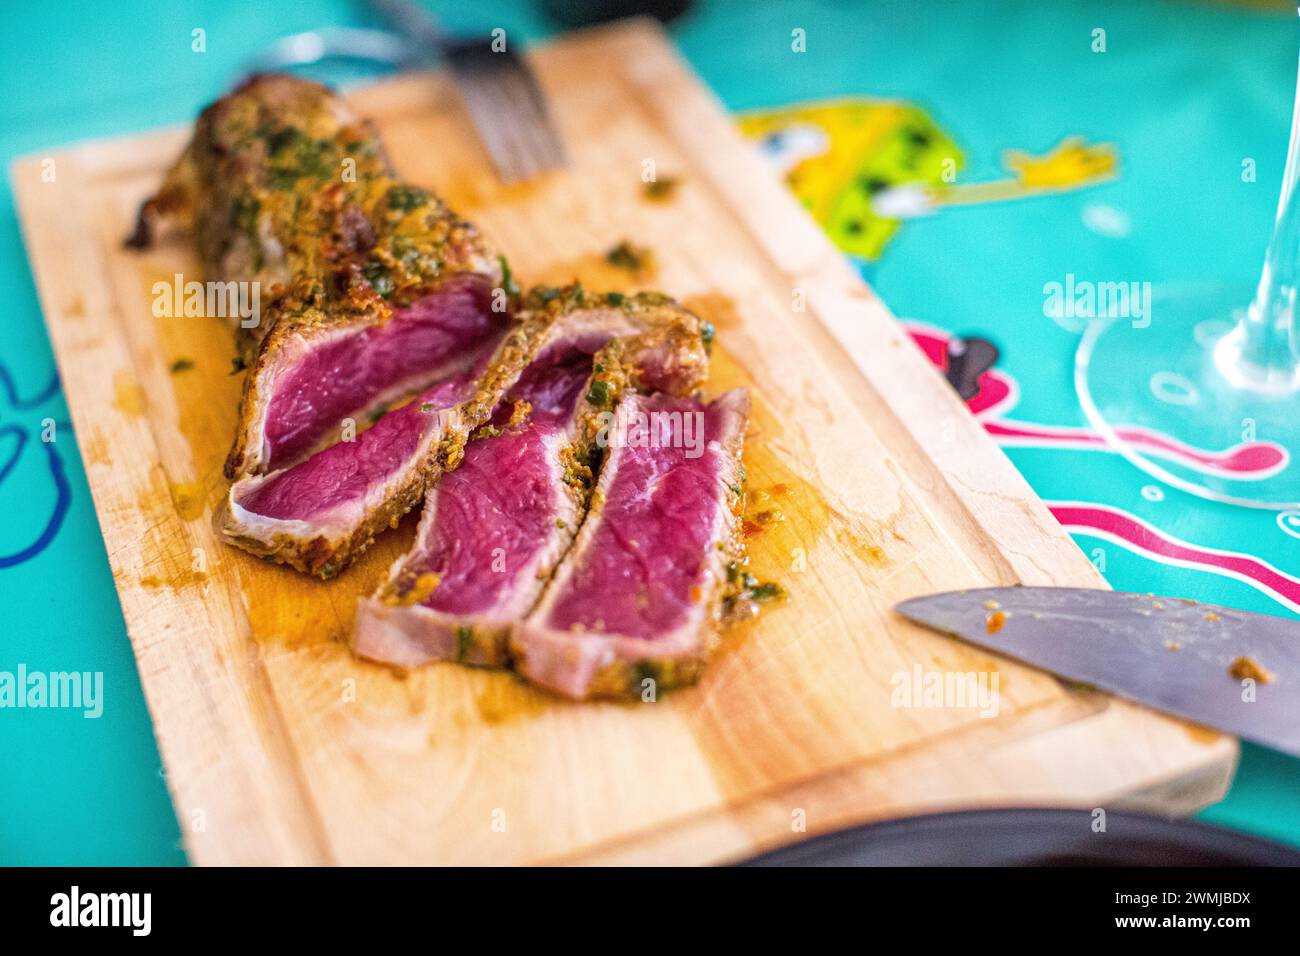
281, 747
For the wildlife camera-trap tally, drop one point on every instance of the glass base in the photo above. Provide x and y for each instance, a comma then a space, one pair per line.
1168, 392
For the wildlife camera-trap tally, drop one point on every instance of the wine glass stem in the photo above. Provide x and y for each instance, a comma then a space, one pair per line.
1268, 339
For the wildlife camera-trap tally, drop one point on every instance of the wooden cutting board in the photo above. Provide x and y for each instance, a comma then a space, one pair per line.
281, 747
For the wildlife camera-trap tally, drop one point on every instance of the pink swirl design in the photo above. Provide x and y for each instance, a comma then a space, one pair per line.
1131, 532
999, 393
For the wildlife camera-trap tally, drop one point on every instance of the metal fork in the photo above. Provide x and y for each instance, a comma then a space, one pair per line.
504, 100
498, 87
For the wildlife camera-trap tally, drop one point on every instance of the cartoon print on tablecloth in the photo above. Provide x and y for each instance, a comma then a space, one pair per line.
862, 167
996, 393
15, 438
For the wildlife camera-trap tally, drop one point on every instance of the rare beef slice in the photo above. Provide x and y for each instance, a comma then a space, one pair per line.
495, 528
320, 513
638, 595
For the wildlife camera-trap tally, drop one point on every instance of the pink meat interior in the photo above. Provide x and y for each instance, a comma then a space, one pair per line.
638, 572
345, 375
497, 511
343, 473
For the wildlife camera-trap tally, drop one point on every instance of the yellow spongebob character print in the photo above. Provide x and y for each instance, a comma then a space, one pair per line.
838, 156
862, 167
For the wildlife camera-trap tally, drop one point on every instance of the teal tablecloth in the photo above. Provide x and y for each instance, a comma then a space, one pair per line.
1183, 93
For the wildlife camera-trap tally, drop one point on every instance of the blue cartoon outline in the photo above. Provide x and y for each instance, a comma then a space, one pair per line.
62, 489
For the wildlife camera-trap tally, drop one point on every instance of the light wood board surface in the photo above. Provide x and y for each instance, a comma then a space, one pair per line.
281, 747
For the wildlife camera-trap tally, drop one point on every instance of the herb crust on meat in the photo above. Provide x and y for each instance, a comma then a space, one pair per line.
283, 185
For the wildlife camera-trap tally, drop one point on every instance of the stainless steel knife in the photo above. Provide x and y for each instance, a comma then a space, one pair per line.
1232, 670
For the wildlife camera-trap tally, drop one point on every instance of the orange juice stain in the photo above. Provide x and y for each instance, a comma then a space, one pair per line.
661, 189
873, 553
714, 307
505, 698
128, 396
800, 514
189, 499
598, 274
205, 394
786, 518
94, 449
179, 581
296, 610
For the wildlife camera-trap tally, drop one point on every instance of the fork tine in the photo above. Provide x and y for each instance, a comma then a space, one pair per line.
508, 108
535, 127
541, 128
485, 109
493, 125
525, 125
498, 111
516, 95
529, 95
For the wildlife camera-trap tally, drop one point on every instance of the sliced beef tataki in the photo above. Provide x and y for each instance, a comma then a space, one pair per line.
315, 370
638, 594
494, 529
366, 286
319, 514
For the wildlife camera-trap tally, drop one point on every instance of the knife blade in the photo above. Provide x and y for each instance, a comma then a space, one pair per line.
1182, 657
